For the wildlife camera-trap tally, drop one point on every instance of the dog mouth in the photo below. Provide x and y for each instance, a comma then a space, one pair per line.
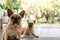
15, 24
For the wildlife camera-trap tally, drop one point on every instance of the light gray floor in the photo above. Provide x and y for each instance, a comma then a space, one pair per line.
43, 38
0, 34
47, 32
44, 33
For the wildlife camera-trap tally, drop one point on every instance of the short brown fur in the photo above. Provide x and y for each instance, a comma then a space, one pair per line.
13, 28
30, 30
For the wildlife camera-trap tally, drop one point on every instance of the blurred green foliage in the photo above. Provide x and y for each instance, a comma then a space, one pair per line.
12, 4
50, 10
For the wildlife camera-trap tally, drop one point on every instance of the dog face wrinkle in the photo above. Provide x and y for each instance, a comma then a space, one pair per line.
15, 19
30, 25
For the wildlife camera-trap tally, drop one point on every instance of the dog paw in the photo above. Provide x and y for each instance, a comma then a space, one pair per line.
22, 36
37, 36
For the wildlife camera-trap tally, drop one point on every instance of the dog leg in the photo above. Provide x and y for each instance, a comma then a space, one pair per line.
24, 33
19, 38
34, 35
4, 37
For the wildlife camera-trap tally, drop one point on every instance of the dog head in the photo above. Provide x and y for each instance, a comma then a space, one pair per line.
15, 19
30, 23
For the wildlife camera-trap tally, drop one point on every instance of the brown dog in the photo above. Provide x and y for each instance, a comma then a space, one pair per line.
13, 29
30, 29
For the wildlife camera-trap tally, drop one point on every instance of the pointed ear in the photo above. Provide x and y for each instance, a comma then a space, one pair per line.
34, 21
27, 21
9, 12
22, 13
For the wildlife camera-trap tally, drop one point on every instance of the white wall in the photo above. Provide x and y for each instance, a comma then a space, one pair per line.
2, 1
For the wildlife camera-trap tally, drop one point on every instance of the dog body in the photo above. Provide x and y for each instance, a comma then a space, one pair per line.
30, 29
10, 31
13, 28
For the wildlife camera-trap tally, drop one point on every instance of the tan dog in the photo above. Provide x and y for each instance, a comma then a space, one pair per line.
30, 29
13, 29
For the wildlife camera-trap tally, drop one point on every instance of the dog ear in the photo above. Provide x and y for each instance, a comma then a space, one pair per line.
27, 21
9, 12
34, 21
22, 13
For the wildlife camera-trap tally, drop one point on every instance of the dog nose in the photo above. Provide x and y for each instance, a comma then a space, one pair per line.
30, 26
15, 22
